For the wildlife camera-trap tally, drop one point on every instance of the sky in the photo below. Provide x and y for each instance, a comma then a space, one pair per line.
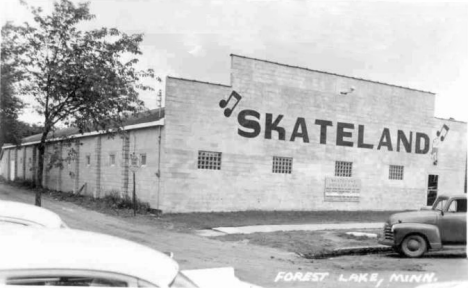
417, 44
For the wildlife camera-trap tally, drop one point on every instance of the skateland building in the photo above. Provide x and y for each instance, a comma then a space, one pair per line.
278, 138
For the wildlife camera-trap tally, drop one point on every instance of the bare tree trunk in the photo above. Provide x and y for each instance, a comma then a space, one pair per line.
40, 168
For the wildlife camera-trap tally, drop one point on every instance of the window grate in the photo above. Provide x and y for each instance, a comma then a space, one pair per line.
209, 160
143, 159
343, 169
282, 165
396, 172
112, 159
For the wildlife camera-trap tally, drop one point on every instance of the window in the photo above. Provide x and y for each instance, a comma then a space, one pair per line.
282, 165
143, 159
209, 160
63, 279
88, 160
396, 172
457, 206
343, 169
112, 159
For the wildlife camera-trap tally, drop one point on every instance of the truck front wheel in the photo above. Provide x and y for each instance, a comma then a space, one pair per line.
413, 246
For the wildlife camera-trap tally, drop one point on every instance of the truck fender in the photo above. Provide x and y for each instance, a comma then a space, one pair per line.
430, 232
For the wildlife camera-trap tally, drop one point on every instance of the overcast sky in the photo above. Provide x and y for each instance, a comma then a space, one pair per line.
421, 45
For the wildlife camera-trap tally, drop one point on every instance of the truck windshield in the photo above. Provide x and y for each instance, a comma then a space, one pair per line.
439, 204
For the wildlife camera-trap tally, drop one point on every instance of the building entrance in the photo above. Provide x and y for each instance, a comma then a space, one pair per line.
432, 184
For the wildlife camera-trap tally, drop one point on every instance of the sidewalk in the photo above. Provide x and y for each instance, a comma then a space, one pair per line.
219, 231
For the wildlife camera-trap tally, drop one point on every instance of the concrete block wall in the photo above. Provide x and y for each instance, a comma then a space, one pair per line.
100, 177
145, 141
111, 173
191, 125
451, 156
195, 121
29, 164
19, 163
51, 176
88, 170
69, 171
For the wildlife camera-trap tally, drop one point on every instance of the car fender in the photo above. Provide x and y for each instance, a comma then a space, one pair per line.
430, 232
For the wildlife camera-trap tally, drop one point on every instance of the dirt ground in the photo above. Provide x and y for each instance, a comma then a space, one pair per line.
261, 265
304, 242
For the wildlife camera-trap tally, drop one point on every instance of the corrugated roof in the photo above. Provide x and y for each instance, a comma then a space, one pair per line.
144, 117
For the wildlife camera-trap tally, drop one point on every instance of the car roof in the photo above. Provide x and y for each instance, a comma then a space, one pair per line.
27, 248
30, 213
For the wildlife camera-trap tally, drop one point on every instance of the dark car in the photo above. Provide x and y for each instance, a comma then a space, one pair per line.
414, 233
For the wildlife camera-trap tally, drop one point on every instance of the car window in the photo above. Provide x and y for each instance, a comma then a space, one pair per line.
65, 281
17, 222
458, 205
9, 223
66, 277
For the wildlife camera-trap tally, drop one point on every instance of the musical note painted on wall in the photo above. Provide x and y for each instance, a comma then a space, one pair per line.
441, 135
223, 103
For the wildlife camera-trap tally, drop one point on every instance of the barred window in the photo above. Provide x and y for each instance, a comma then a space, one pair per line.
282, 165
143, 159
343, 169
112, 159
209, 160
396, 172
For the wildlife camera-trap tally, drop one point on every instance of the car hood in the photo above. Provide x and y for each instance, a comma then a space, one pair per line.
428, 217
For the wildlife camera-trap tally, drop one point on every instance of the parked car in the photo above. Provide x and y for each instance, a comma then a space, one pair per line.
20, 214
67, 257
414, 233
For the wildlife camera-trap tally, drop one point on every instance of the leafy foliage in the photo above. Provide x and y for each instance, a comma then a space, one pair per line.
10, 105
82, 79
79, 77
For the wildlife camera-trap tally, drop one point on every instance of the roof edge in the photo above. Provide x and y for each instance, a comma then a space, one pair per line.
450, 119
329, 73
159, 122
197, 81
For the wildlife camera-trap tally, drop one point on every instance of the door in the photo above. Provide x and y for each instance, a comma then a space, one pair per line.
452, 225
432, 185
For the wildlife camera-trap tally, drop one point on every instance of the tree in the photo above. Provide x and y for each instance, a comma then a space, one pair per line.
10, 105
78, 78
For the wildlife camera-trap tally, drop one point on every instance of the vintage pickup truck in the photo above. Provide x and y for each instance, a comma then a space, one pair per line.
414, 233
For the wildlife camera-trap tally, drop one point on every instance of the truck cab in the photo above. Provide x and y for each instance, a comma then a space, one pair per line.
414, 233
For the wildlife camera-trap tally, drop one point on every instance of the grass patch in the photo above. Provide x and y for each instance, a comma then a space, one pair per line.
250, 218
111, 203
360, 238
107, 204
302, 242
